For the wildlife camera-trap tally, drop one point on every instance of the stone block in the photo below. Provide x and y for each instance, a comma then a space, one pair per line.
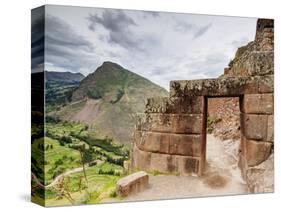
270, 128
141, 159
188, 123
185, 123
143, 122
132, 184
174, 105
266, 84
161, 122
257, 152
152, 141
190, 105
164, 163
187, 165
161, 105
188, 145
182, 88
254, 126
258, 103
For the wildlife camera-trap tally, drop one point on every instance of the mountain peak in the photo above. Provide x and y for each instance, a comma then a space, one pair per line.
109, 98
110, 78
110, 65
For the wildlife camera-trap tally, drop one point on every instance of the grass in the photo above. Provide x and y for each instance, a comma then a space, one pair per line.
99, 187
51, 157
70, 158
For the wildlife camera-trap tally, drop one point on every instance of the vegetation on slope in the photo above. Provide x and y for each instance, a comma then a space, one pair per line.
108, 99
61, 149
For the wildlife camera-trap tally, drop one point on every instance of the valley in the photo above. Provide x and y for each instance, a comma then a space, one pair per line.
86, 133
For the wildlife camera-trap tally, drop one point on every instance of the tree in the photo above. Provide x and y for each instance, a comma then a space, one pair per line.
62, 190
84, 158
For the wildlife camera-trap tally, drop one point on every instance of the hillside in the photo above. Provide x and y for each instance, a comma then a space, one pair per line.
59, 88
108, 99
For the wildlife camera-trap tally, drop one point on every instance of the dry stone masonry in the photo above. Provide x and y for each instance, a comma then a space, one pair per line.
170, 137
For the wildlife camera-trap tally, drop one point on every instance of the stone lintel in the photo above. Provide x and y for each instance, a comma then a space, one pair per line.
222, 87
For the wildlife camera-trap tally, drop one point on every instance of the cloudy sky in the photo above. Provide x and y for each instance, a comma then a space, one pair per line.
159, 46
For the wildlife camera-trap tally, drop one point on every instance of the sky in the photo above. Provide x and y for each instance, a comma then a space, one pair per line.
160, 46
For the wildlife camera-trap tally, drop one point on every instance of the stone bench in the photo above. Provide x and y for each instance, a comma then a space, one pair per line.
132, 184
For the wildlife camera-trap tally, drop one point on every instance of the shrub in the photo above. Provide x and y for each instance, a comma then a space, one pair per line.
113, 194
58, 162
57, 172
66, 139
93, 163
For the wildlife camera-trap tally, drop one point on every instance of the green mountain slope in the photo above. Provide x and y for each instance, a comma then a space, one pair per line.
108, 99
59, 88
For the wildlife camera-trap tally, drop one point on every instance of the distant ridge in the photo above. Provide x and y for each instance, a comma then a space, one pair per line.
63, 76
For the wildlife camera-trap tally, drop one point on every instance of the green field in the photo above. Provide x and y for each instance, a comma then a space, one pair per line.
65, 148
98, 188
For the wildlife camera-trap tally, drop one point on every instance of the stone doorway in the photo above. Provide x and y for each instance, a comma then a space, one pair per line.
222, 137
170, 137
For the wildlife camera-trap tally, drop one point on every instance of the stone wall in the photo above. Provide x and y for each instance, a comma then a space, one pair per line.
170, 136
257, 117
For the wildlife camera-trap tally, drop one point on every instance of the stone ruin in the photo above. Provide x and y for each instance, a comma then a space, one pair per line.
170, 137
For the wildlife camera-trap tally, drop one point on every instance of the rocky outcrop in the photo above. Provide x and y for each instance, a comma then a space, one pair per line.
260, 178
256, 58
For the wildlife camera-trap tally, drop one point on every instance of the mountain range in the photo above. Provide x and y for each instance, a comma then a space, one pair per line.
63, 76
107, 101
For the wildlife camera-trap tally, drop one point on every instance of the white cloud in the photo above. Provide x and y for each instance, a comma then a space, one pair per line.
159, 46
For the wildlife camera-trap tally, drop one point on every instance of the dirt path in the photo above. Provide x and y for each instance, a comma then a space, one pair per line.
67, 173
56, 180
222, 177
